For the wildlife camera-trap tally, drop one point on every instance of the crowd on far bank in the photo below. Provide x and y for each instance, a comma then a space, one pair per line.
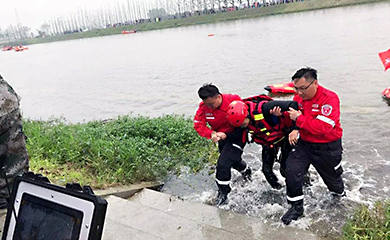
186, 14
95, 21
221, 8
158, 15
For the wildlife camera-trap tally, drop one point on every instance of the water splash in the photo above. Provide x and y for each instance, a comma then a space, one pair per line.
324, 215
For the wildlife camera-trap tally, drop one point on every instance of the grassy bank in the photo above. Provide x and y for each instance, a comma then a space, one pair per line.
211, 18
133, 149
120, 151
371, 224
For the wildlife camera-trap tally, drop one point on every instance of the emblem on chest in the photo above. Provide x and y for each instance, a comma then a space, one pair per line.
326, 109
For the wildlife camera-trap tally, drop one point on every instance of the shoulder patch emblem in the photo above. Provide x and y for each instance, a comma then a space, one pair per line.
326, 109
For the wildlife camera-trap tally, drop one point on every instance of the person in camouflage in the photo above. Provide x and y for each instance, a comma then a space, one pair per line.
13, 153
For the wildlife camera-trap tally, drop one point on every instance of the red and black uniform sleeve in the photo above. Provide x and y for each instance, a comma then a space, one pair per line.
200, 123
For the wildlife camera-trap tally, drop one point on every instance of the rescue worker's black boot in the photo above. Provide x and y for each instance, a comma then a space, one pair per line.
338, 196
294, 213
273, 181
223, 191
247, 174
221, 198
271, 177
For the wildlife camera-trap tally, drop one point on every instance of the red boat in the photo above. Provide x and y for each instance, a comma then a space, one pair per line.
7, 48
128, 32
386, 93
20, 48
280, 88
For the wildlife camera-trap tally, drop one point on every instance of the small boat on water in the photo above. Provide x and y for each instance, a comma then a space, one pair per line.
20, 48
386, 93
128, 32
281, 88
7, 48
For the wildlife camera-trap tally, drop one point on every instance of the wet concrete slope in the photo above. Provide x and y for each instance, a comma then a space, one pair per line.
153, 215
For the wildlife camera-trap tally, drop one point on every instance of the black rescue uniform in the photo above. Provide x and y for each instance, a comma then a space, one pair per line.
319, 144
230, 157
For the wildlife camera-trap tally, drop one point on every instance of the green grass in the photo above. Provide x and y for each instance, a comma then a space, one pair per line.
127, 150
369, 224
116, 152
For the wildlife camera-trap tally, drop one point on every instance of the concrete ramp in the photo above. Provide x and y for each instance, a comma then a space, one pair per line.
153, 215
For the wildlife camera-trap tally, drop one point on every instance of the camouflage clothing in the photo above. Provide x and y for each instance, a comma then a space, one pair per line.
13, 152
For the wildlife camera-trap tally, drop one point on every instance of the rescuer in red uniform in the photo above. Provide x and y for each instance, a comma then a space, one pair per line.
211, 122
319, 144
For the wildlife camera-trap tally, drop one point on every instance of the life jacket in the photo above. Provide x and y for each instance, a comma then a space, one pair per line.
261, 131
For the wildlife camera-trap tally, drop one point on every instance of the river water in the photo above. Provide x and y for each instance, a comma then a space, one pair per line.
158, 72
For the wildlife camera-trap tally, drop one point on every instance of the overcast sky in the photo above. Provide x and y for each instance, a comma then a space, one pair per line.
33, 13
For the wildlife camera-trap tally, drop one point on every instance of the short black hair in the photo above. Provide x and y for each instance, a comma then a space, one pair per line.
307, 73
208, 90
299, 74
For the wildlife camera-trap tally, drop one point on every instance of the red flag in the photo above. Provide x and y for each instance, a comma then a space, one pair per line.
385, 58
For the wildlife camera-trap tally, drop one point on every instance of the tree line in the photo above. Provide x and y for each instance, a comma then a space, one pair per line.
128, 12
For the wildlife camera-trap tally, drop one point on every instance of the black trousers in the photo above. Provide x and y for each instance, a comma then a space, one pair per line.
230, 157
269, 156
326, 159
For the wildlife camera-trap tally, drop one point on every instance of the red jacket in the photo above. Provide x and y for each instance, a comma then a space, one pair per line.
217, 118
320, 119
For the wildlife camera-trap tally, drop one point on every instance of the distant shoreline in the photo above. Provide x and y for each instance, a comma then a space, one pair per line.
205, 19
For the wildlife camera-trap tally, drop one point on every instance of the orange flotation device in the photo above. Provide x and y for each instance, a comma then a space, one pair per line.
128, 32
20, 48
386, 93
280, 88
